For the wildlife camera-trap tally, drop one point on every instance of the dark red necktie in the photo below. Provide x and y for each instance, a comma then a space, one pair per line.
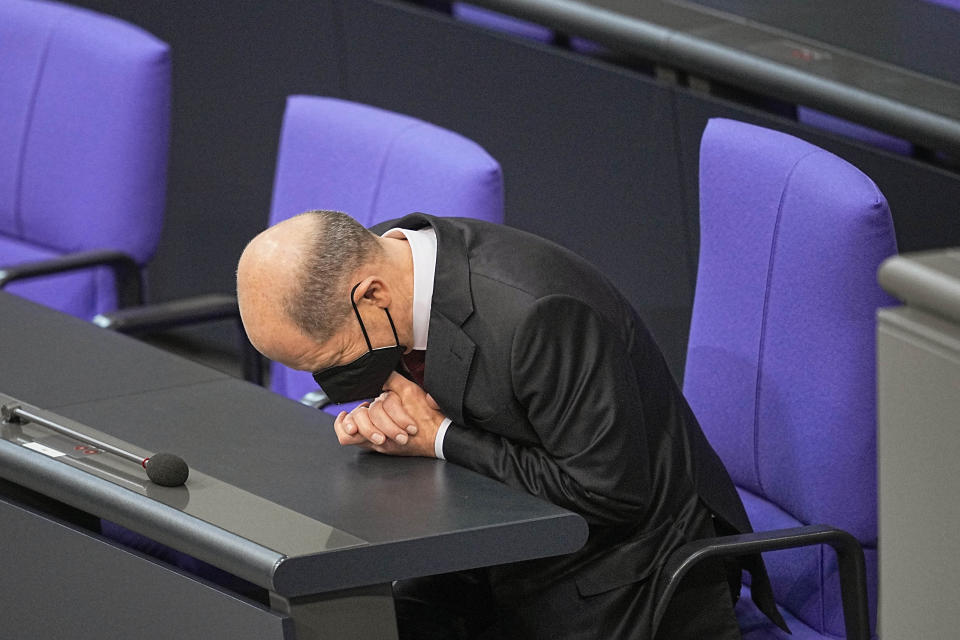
414, 362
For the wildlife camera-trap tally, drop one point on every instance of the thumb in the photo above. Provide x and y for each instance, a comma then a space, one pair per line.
432, 403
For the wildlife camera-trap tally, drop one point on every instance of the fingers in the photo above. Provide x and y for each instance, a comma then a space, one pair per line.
372, 423
347, 430
388, 416
402, 420
389, 403
359, 419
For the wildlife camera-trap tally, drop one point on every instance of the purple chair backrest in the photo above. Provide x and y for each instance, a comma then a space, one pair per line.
846, 128
496, 21
781, 363
375, 165
85, 109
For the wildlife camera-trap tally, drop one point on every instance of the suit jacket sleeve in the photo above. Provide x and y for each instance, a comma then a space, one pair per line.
572, 372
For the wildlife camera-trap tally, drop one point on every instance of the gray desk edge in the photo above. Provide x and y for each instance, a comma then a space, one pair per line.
694, 53
745, 69
153, 519
293, 575
928, 280
376, 563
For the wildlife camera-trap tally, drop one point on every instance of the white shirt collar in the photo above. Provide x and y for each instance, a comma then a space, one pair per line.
423, 246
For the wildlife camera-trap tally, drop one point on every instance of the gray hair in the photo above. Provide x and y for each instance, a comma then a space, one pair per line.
318, 303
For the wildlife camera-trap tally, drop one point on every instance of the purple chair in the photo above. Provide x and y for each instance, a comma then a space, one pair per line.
375, 165
781, 359
848, 129
503, 23
85, 111
500, 22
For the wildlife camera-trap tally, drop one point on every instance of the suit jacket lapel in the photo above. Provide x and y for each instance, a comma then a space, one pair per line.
450, 350
449, 355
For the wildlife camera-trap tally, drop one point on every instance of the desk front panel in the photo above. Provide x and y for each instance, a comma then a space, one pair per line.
61, 581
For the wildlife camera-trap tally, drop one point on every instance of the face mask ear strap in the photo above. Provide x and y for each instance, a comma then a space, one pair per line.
395, 338
357, 311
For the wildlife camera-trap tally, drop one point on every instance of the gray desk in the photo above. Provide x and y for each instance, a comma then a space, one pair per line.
740, 43
272, 498
918, 370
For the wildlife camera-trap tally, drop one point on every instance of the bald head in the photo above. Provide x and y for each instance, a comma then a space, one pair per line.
269, 269
293, 280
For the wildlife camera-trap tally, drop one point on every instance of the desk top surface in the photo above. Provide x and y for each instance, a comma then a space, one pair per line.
913, 34
926, 280
411, 516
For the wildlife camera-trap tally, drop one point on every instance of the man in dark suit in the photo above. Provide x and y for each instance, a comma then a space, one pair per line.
537, 372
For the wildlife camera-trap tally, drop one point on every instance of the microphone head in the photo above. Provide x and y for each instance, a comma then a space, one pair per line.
167, 469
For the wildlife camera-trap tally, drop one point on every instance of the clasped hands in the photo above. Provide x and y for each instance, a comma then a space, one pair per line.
401, 421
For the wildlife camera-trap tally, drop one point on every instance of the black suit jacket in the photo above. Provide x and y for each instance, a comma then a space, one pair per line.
556, 387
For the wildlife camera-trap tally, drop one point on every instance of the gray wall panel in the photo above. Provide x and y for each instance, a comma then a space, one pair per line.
919, 448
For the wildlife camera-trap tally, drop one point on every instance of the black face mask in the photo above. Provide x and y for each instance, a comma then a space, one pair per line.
364, 377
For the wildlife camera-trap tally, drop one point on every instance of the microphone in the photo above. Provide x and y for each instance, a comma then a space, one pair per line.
165, 469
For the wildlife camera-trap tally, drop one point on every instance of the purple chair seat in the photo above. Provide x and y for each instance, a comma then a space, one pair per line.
781, 362
755, 626
84, 108
375, 165
806, 577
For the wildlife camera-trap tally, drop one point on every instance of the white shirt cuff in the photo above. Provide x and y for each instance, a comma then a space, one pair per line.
438, 443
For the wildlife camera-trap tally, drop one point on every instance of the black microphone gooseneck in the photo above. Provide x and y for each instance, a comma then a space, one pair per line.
165, 469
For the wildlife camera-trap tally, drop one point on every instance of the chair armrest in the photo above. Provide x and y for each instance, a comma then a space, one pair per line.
316, 399
125, 269
169, 315
186, 312
853, 576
